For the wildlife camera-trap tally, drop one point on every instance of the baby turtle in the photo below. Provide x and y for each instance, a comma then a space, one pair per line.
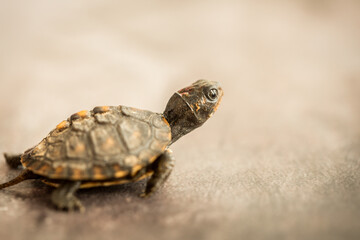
115, 144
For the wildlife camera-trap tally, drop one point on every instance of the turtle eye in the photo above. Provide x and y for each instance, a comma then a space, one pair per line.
212, 94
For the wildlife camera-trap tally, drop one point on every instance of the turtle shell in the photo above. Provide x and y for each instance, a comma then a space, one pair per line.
104, 143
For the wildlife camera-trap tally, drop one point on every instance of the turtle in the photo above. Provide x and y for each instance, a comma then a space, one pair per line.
111, 145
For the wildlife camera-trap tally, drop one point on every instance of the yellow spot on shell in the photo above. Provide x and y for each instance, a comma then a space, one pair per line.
59, 171
109, 143
152, 159
101, 109
77, 174
79, 148
119, 173
105, 108
62, 125
135, 169
82, 113
131, 160
98, 173
43, 169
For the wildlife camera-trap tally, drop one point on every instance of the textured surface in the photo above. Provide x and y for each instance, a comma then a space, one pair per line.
93, 145
280, 157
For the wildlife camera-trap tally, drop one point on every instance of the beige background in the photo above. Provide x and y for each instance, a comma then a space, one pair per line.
280, 158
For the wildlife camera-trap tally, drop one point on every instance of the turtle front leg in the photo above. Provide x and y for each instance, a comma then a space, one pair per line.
13, 160
63, 197
162, 168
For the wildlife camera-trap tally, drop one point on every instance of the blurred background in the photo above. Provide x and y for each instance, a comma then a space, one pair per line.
279, 159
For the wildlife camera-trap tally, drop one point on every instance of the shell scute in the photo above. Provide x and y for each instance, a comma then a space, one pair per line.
162, 135
147, 155
60, 172
40, 149
157, 146
76, 146
107, 114
159, 122
135, 133
55, 152
143, 115
105, 143
101, 109
106, 118
83, 124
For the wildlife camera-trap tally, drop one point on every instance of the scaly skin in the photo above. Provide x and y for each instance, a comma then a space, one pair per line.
162, 169
13, 160
186, 110
64, 198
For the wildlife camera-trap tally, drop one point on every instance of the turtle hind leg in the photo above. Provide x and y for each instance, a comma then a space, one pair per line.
13, 160
24, 175
64, 196
162, 168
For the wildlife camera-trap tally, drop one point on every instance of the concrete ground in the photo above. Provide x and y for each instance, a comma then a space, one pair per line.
279, 160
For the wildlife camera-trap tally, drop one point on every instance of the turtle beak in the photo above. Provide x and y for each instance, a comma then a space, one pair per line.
221, 94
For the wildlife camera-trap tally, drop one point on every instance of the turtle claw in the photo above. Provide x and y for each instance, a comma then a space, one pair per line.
69, 204
144, 195
63, 197
147, 193
75, 205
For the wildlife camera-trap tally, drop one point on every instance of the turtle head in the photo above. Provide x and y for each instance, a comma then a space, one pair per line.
190, 107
